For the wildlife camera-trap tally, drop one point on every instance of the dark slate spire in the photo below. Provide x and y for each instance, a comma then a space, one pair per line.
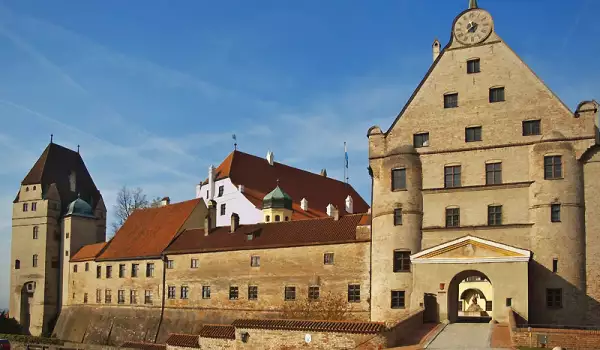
473, 4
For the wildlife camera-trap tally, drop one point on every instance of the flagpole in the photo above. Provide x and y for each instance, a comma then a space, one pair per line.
345, 163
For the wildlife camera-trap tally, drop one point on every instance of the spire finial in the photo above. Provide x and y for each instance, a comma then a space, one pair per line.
77, 148
277, 182
51, 137
473, 4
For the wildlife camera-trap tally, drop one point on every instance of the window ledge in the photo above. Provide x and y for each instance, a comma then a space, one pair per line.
479, 187
400, 190
476, 227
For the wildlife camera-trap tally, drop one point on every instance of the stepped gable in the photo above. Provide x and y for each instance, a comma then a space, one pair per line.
270, 235
259, 178
88, 252
55, 165
147, 232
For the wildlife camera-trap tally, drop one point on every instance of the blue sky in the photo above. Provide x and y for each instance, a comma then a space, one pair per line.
153, 90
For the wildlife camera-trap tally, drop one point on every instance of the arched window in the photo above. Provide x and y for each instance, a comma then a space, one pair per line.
268, 218
34, 188
35, 260
35, 232
287, 218
277, 218
26, 189
17, 264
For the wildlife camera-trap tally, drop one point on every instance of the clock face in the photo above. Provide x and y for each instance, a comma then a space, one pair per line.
473, 27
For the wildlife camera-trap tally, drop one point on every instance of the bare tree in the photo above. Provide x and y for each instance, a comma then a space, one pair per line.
328, 307
127, 202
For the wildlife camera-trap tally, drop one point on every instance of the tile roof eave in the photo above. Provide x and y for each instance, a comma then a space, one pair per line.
142, 257
270, 246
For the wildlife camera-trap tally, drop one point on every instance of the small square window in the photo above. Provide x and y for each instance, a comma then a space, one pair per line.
398, 299
398, 179
205, 292
473, 66
451, 100
532, 127
170, 264
354, 293
313, 293
222, 209
401, 261
452, 217
452, 176
194, 263
494, 215
555, 212
496, 95
328, 258
553, 167
473, 134
221, 190
554, 298
171, 292
397, 217
493, 173
255, 261
233, 293
252, 292
421, 140
290, 293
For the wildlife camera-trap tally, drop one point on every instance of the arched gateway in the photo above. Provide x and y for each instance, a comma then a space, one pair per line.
440, 270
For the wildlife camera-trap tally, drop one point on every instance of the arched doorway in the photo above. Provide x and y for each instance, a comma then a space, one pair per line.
470, 296
27, 292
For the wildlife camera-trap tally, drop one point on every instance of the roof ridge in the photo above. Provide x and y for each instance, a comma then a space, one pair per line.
168, 205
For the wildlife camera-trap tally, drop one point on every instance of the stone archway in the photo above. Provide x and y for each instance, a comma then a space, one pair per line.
474, 311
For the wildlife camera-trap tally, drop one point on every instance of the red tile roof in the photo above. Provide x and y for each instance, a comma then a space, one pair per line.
147, 232
260, 178
270, 235
54, 166
88, 252
144, 346
218, 331
314, 326
184, 340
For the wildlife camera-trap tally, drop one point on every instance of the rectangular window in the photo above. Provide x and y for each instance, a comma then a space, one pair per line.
354, 293
532, 127
555, 212
25, 206
107, 297
554, 298
555, 265
233, 293
451, 100
488, 305
255, 261
397, 217
398, 299
194, 263
170, 264
134, 270
98, 271
398, 179
98, 296
552, 167
87, 266
85, 298
493, 173
222, 209
150, 270
473, 66
473, 134
452, 176
36, 231
121, 296
34, 263
290, 293
252, 292
75, 268
494, 215
34, 206
221, 190
54, 263
184, 292
401, 261
171, 292
148, 297
108, 271
121, 270
452, 217
421, 140
133, 297
205, 292
328, 258
508, 301
313, 293
496, 95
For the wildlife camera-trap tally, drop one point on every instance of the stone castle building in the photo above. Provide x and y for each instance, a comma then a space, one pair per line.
485, 177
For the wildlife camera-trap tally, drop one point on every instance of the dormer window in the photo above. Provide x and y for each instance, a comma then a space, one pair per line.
473, 66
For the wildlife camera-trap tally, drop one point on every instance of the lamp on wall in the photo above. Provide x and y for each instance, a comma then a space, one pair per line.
245, 337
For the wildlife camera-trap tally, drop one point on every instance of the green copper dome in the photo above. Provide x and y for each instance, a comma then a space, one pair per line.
277, 199
79, 207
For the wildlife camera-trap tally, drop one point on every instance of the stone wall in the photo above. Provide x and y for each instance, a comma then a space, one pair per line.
212, 343
404, 330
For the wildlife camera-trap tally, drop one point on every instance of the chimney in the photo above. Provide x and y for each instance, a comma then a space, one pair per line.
270, 157
304, 204
324, 172
436, 49
211, 217
235, 222
198, 190
333, 212
211, 182
349, 205
165, 201
241, 188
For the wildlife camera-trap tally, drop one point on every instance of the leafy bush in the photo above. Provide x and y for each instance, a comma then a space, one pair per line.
28, 339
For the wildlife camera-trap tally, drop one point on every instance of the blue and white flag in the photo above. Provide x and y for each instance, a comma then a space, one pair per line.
346, 154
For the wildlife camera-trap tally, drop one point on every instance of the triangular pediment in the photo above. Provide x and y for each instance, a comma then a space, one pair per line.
469, 250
